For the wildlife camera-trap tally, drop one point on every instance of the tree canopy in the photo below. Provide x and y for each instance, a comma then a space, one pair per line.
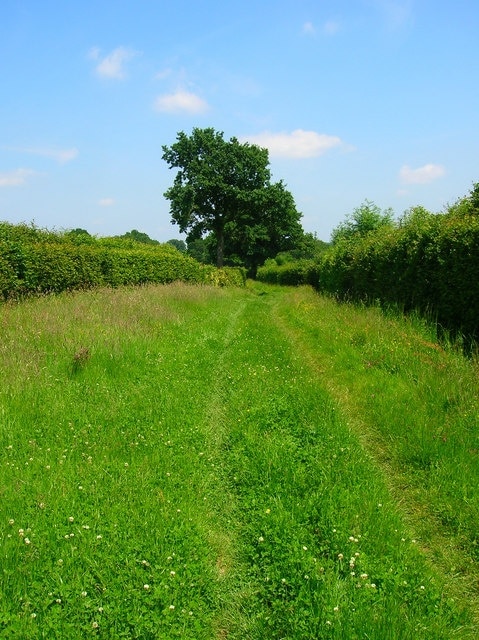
364, 219
223, 190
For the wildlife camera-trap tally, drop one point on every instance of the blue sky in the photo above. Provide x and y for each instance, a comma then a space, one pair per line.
355, 100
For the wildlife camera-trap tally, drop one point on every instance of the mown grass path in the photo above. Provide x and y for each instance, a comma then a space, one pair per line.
181, 462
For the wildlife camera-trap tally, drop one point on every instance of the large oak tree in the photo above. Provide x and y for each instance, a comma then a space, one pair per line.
223, 190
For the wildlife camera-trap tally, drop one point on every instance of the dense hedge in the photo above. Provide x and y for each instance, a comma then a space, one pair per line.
432, 267
289, 273
33, 261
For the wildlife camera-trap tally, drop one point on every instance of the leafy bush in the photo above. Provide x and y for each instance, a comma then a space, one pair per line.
427, 262
288, 273
35, 261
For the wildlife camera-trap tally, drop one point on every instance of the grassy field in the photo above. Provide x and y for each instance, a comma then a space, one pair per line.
260, 463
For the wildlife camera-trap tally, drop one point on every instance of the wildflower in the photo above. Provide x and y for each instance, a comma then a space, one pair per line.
58, 600
84, 594
305, 548
21, 533
340, 556
364, 576
172, 573
71, 519
146, 587
422, 587
94, 624
100, 609
268, 511
99, 537
336, 609
33, 615
172, 606
27, 540
261, 539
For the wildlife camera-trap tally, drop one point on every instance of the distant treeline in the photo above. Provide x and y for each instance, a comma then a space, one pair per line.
425, 262
34, 260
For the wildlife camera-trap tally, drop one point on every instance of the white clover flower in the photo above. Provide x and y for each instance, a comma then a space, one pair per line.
172, 573
11, 521
305, 548
172, 606
146, 587
340, 556
336, 608
71, 519
27, 540
364, 576
21, 533
94, 624
84, 594
261, 539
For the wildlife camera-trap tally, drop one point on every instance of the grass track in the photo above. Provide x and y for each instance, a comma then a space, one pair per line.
202, 463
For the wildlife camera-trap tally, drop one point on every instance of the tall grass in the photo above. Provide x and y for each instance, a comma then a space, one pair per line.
193, 462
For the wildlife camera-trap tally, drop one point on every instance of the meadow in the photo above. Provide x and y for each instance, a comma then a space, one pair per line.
181, 461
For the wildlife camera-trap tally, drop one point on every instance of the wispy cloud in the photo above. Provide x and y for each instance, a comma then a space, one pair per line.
309, 29
397, 13
330, 27
297, 144
15, 178
113, 64
181, 102
106, 202
421, 175
62, 156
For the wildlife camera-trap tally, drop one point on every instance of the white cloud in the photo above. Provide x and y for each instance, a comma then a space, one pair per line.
163, 74
308, 28
330, 28
397, 13
15, 178
106, 202
297, 144
113, 64
181, 101
421, 175
61, 156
